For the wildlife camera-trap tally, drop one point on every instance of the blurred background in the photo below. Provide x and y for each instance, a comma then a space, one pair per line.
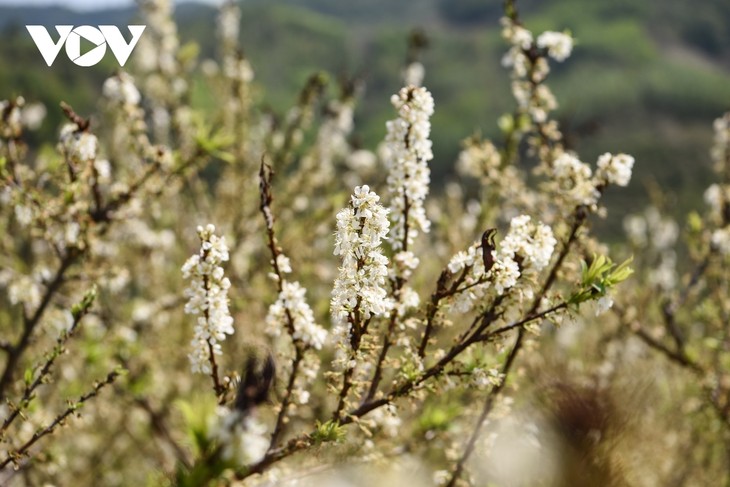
647, 78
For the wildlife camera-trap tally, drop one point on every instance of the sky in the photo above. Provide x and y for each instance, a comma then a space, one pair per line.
83, 4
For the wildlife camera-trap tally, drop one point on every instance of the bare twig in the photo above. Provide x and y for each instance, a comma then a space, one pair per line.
17, 454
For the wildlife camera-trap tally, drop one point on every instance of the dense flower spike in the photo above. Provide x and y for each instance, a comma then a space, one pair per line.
360, 286
207, 296
408, 153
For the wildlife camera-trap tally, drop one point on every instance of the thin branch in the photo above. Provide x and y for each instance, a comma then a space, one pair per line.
16, 455
266, 198
579, 219
45, 371
524, 321
219, 388
30, 323
286, 400
678, 357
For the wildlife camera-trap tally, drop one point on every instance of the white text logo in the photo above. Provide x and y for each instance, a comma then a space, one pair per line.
71, 37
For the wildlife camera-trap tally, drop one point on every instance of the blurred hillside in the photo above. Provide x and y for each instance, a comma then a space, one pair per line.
646, 78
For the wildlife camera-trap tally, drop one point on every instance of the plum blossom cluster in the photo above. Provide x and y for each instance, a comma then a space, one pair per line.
614, 169
529, 244
479, 158
559, 45
207, 296
360, 286
576, 183
503, 187
291, 303
526, 249
655, 234
529, 66
408, 153
18, 114
78, 145
520, 40
242, 438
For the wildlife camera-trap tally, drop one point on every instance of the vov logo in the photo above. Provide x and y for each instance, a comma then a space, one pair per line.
71, 36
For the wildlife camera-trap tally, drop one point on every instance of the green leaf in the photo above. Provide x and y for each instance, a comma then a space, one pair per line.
599, 277
81, 308
329, 431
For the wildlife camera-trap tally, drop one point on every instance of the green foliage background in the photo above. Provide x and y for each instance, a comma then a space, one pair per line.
642, 72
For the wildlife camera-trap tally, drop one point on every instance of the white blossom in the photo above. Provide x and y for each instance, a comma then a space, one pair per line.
413, 74
409, 299
527, 248
480, 158
23, 214
32, 115
238, 69
121, 89
292, 301
558, 44
574, 180
361, 227
405, 262
229, 21
516, 34
441, 477
531, 244
665, 274
362, 161
283, 263
721, 240
25, 290
78, 145
207, 296
717, 196
460, 260
615, 169
483, 378
409, 150
103, 170
504, 274
636, 229
387, 419
721, 148
603, 304
521, 40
